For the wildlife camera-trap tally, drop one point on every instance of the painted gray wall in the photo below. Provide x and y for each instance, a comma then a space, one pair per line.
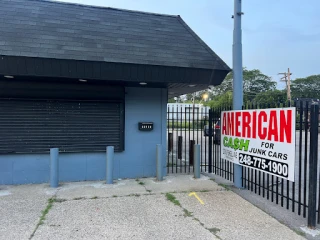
138, 159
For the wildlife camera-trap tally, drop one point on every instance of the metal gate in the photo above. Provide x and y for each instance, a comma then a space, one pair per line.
188, 125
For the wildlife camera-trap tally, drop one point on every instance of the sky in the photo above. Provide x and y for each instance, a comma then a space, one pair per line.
276, 34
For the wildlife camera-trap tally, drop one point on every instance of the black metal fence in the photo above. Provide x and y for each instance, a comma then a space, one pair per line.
185, 124
187, 127
292, 195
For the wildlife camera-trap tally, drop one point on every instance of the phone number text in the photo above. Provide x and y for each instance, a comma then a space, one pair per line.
274, 167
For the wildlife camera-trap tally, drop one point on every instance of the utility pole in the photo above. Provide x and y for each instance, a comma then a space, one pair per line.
237, 77
286, 78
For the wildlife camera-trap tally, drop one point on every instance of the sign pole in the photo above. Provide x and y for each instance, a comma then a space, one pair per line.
237, 77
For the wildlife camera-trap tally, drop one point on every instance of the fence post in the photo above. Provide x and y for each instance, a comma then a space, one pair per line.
210, 141
313, 166
191, 154
170, 142
54, 167
196, 152
159, 162
180, 147
109, 165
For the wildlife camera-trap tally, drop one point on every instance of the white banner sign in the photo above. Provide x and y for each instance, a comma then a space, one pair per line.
261, 139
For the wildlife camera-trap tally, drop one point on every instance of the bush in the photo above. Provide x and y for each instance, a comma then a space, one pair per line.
186, 125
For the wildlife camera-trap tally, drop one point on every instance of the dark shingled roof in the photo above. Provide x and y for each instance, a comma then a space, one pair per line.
45, 29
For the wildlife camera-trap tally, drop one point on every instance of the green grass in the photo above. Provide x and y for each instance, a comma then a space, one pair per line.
214, 231
181, 125
59, 200
204, 190
172, 198
78, 198
134, 195
95, 197
187, 213
196, 219
141, 183
301, 233
43, 215
46, 210
224, 186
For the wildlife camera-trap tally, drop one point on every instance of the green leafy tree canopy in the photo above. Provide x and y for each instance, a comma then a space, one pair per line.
308, 87
254, 82
271, 98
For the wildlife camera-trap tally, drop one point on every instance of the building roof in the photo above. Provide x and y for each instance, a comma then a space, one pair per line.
37, 28
86, 37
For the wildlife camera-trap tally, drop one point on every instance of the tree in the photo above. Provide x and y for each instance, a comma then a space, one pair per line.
189, 97
171, 100
198, 96
254, 82
221, 100
271, 98
308, 87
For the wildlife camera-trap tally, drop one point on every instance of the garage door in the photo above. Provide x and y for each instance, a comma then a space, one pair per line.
35, 126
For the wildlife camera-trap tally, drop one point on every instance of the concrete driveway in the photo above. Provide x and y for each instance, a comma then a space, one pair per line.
179, 207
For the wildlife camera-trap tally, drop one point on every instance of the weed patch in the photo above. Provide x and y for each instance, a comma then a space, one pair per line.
134, 195
214, 231
78, 198
187, 213
224, 186
59, 200
204, 190
172, 198
301, 233
43, 215
196, 219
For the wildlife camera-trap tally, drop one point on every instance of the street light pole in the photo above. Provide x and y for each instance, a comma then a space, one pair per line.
237, 76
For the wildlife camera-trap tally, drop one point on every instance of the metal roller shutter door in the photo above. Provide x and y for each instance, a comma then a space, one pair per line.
35, 126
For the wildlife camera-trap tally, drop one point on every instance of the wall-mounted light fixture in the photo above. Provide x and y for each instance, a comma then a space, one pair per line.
8, 76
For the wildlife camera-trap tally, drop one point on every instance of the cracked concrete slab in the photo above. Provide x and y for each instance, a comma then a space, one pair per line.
20, 208
233, 217
181, 183
129, 210
133, 217
99, 189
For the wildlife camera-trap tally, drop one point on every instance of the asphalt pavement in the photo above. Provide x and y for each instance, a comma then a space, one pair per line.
180, 207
